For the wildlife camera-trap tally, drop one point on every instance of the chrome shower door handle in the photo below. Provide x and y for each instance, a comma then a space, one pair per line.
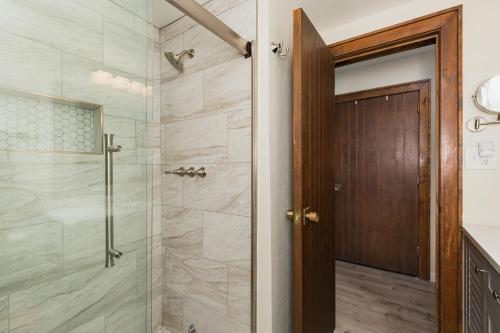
110, 149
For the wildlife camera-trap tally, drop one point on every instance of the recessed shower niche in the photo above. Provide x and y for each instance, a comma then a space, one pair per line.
34, 122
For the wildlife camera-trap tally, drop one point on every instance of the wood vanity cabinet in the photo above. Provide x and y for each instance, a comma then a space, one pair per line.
481, 292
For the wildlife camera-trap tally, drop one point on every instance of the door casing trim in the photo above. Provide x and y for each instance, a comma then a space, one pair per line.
444, 29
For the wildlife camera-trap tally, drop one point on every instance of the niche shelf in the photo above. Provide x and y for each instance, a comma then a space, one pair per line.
36, 122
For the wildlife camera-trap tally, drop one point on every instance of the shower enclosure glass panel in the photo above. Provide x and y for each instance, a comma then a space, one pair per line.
71, 71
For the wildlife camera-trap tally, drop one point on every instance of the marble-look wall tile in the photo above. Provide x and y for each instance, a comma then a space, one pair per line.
68, 193
78, 84
226, 189
233, 3
124, 48
228, 86
120, 127
210, 49
239, 293
129, 317
182, 231
130, 228
156, 190
182, 97
138, 7
22, 59
147, 143
156, 104
185, 23
53, 158
27, 252
130, 187
239, 145
226, 238
157, 281
111, 10
208, 320
172, 310
155, 56
200, 140
242, 18
239, 119
93, 326
171, 187
4, 314
68, 26
84, 242
31, 194
198, 278
156, 220
76, 298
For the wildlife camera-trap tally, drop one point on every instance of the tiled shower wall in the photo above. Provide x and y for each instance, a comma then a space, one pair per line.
52, 275
206, 222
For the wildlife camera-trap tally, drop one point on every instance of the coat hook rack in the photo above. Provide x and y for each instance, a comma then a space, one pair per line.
278, 49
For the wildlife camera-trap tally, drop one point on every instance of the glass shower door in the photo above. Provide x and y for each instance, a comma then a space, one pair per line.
70, 72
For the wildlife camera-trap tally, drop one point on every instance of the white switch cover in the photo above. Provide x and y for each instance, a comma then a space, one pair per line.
475, 162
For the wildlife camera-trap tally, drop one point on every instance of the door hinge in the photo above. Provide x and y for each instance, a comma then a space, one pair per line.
418, 251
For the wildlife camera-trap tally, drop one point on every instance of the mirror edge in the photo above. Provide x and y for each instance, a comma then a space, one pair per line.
476, 102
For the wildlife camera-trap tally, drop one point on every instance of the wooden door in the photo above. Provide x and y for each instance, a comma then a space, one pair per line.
378, 136
314, 251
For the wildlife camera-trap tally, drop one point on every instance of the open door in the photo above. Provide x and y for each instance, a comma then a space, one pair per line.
313, 97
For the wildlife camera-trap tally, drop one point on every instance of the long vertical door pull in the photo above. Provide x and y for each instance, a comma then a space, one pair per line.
109, 150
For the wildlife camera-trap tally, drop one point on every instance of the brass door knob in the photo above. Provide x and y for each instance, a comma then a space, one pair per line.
309, 216
313, 217
290, 214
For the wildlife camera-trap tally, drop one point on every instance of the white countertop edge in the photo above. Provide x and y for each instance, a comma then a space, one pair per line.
487, 240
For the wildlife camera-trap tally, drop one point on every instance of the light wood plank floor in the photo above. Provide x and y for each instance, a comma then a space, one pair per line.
375, 301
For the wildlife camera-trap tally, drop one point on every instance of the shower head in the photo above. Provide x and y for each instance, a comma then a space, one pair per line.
176, 59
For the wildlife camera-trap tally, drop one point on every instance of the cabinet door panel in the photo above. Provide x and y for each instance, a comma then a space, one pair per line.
492, 297
475, 278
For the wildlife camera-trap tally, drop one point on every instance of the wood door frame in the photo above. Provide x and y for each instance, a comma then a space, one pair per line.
444, 29
423, 88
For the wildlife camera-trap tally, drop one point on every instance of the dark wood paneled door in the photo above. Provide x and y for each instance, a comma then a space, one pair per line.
314, 250
381, 166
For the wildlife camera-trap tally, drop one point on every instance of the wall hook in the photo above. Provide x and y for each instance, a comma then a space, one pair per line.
278, 49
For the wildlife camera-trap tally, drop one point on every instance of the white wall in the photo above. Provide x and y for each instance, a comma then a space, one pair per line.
481, 54
275, 256
389, 70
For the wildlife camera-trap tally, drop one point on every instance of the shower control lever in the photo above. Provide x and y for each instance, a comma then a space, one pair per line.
191, 172
179, 172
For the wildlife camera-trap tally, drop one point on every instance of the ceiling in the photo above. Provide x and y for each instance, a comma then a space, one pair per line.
324, 13
331, 13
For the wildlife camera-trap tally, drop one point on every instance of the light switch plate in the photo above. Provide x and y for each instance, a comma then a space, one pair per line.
474, 162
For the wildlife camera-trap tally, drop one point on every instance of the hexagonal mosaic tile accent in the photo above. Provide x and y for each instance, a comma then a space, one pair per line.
40, 124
